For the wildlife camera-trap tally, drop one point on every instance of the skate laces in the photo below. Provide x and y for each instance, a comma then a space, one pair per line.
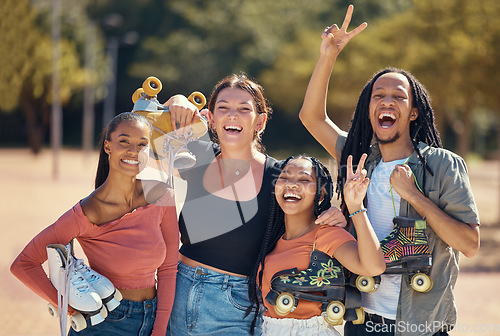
63, 290
83, 269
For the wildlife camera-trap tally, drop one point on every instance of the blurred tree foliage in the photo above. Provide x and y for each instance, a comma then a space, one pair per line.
26, 74
450, 45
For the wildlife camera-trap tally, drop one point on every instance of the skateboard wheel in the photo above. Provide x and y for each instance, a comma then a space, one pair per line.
78, 322
198, 99
152, 86
137, 94
360, 313
365, 284
284, 304
335, 311
421, 282
53, 310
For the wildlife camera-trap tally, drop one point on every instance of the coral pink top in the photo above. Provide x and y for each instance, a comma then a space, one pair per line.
129, 251
295, 253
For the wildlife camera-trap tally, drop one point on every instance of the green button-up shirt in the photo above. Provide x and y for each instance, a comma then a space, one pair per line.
449, 188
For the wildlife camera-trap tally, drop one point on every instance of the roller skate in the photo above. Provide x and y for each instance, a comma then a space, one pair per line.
323, 281
406, 251
73, 290
109, 295
168, 143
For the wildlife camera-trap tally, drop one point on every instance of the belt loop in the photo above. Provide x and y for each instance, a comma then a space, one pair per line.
225, 283
130, 308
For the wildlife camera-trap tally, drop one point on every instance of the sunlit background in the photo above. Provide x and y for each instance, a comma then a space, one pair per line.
68, 66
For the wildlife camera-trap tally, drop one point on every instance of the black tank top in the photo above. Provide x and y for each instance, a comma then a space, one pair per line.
218, 232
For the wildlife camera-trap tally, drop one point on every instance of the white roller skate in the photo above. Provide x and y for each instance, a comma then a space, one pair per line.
110, 296
72, 290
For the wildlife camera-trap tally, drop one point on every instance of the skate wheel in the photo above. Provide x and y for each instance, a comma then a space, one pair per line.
152, 86
78, 322
360, 313
335, 311
198, 99
284, 304
365, 284
137, 94
53, 310
421, 282
332, 322
184, 160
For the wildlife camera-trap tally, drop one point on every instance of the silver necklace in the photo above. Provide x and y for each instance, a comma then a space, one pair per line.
303, 232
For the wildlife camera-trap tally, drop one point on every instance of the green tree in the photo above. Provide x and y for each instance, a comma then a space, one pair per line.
216, 38
25, 78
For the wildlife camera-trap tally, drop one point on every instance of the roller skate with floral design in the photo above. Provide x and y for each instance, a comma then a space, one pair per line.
406, 251
323, 281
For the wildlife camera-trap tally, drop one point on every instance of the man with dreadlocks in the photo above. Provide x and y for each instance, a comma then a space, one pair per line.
394, 124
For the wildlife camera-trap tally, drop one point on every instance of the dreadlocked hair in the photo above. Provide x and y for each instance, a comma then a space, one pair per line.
359, 139
276, 228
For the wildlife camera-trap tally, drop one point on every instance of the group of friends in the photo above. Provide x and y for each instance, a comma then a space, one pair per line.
247, 215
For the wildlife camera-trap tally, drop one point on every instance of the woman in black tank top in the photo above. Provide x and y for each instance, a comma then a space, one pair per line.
225, 216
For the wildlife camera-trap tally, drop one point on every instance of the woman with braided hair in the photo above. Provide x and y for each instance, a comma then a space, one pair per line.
394, 124
302, 191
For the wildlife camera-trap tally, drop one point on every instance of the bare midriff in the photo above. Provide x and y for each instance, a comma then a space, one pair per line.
138, 294
194, 263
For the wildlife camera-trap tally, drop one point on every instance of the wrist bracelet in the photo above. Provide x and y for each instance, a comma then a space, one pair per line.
357, 212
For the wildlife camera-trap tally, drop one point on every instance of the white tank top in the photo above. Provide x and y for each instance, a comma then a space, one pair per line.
380, 211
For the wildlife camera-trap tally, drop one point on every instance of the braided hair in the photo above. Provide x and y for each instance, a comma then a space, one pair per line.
276, 227
359, 139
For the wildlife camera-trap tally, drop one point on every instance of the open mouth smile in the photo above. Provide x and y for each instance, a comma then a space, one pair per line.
292, 197
129, 161
233, 129
386, 119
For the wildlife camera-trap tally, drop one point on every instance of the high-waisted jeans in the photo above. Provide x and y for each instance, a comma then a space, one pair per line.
129, 318
210, 303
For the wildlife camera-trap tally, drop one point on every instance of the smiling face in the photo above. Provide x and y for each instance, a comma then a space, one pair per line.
295, 188
391, 109
128, 147
235, 117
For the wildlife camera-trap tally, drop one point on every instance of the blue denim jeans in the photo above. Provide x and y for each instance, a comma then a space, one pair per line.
210, 303
129, 318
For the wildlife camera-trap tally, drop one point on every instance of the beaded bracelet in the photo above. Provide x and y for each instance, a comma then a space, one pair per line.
357, 212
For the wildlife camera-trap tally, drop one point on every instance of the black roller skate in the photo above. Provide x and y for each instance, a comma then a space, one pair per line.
406, 251
323, 281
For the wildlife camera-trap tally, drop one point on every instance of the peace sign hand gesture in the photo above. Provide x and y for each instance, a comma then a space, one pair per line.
335, 39
356, 184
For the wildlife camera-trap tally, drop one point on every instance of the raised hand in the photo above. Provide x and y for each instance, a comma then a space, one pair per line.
183, 113
356, 184
335, 39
